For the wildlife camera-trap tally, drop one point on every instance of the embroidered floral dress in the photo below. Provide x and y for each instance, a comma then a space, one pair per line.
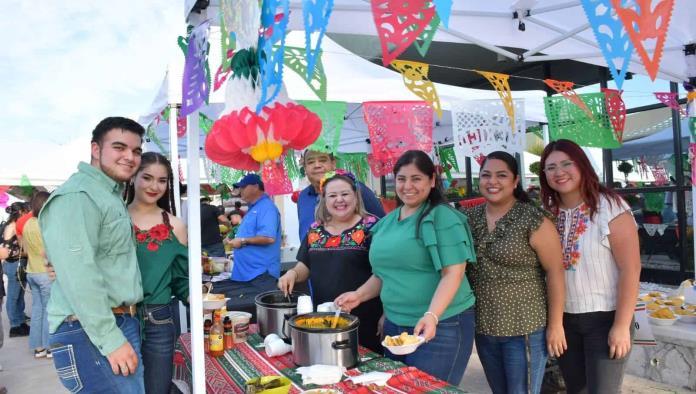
340, 263
163, 263
508, 281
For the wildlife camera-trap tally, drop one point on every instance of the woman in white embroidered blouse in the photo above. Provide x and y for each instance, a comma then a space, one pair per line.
602, 261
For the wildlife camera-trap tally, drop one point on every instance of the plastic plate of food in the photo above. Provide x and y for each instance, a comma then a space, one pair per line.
685, 315
402, 344
662, 317
214, 301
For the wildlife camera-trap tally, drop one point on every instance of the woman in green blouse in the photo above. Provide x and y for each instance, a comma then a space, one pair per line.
163, 262
418, 255
519, 276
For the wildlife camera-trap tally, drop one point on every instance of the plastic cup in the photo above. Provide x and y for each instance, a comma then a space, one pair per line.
240, 325
326, 307
270, 338
304, 305
277, 347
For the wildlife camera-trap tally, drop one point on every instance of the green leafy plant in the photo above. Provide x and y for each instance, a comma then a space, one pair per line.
535, 168
626, 168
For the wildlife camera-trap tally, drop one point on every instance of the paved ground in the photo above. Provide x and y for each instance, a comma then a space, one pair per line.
24, 374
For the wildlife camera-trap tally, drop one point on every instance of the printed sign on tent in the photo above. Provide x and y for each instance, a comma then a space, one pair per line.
484, 126
397, 126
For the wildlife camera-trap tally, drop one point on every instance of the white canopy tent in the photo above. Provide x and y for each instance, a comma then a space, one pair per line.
554, 29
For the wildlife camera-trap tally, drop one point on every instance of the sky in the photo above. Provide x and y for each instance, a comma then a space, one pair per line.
68, 64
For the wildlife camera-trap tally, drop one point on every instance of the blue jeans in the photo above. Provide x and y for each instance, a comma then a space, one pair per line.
214, 250
446, 355
82, 368
15, 295
40, 286
158, 347
511, 363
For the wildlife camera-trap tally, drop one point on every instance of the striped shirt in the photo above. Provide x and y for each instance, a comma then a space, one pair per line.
591, 273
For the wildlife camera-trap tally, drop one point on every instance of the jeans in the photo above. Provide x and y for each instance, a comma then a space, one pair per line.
40, 286
586, 366
447, 354
82, 368
513, 364
158, 348
214, 250
15, 294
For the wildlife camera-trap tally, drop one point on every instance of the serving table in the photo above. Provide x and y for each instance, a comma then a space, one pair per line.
228, 374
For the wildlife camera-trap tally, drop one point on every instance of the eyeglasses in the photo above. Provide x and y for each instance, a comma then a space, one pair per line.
565, 165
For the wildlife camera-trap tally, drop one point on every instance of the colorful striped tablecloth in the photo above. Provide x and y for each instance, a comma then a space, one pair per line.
227, 374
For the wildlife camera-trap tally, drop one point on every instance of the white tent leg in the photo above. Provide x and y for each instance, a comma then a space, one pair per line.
174, 159
194, 254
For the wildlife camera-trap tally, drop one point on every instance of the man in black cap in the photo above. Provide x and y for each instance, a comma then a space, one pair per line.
257, 242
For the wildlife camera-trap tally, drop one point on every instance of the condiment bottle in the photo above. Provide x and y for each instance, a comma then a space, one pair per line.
217, 343
229, 333
206, 335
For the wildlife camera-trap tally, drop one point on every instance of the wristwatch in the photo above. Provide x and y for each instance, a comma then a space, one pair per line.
244, 241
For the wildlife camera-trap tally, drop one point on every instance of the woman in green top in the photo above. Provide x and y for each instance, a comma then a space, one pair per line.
418, 256
518, 277
163, 262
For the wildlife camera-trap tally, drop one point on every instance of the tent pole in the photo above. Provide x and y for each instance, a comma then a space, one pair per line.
174, 156
607, 160
174, 160
469, 181
556, 40
678, 167
194, 254
559, 30
556, 7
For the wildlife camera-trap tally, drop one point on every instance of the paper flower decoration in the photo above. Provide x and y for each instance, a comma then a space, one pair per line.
243, 140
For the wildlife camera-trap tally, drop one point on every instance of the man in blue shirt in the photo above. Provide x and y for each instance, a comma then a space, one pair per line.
316, 165
257, 242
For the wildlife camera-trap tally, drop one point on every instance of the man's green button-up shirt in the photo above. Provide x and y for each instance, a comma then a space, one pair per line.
90, 242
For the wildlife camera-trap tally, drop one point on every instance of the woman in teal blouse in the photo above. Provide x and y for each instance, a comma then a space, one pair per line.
418, 255
163, 262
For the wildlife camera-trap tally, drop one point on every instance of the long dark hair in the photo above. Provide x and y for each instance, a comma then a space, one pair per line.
590, 188
38, 201
15, 210
425, 165
512, 165
165, 202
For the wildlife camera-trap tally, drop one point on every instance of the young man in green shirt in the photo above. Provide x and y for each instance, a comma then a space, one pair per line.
94, 335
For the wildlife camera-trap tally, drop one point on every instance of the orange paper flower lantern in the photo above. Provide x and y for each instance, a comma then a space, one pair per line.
243, 140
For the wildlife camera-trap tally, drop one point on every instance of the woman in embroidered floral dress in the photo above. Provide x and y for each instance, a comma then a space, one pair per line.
335, 252
163, 261
602, 262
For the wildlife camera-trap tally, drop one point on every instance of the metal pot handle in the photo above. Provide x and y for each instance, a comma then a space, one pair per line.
344, 344
285, 323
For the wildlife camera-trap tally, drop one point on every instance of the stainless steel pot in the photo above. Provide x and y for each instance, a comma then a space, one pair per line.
327, 346
273, 309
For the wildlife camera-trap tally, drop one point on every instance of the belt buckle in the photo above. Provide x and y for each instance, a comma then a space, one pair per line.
132, 310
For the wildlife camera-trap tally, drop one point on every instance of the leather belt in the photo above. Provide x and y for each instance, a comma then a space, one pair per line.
131, 310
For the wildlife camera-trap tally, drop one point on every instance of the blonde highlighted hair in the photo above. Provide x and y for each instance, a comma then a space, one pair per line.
322, 213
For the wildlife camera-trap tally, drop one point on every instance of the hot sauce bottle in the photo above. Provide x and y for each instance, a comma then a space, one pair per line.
206, 335
229, 333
